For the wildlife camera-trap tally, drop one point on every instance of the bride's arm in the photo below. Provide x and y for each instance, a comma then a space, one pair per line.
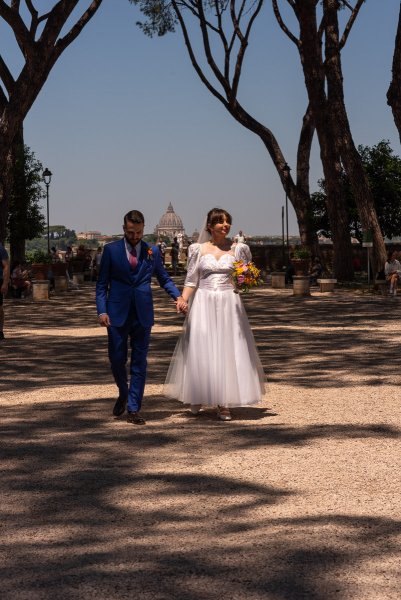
192, 278
187, 293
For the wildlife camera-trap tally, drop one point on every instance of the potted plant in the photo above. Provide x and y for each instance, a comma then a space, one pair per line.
40, 263
300, 260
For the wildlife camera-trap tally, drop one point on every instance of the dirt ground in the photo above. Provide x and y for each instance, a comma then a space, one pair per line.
298, 498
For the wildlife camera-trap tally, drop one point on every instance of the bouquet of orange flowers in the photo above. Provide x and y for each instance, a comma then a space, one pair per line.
245, 276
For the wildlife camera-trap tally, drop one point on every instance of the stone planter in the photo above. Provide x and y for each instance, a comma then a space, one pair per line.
301, 265
301, 285
40, 290
278, 279
40, 271
327, 285
60, 283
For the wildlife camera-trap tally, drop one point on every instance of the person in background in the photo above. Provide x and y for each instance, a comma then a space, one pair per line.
240, 238
316, 271
289, 272
162, 249
4, 281
68, 260
96, 262
20, 279
175, 251
392, 271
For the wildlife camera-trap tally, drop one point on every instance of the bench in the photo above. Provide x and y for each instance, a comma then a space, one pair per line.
327, 285
382, 285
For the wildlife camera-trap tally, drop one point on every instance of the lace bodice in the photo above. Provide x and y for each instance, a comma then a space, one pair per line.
207, 272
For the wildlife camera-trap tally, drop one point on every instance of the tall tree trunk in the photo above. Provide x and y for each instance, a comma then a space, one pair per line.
6, 186
315, 80
17, 243
349, 154
337, 209
394, 91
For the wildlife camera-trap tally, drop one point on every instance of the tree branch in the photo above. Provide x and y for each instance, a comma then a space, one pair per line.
281, 23
5, 76
351, 21
192, 57
74, 32
21, 33
244, 43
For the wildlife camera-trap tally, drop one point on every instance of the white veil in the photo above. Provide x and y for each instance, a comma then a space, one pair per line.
204, 235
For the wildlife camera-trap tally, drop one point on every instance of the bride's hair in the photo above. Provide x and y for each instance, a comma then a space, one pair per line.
217, 215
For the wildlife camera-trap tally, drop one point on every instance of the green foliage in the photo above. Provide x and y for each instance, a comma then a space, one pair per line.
25, 220
150, 238
301, 252
38, 256
159, 14
383, 168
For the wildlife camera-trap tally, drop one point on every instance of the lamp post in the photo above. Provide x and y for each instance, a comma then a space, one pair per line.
286, 170
47, 177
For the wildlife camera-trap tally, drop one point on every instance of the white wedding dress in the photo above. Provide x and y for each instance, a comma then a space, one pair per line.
215, 361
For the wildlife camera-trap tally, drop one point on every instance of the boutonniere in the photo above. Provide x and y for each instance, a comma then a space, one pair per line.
149, 252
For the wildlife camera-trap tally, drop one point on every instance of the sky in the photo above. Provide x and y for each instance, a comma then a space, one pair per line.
123, 121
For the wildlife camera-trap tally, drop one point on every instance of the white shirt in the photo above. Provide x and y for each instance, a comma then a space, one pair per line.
392, 267
128, 248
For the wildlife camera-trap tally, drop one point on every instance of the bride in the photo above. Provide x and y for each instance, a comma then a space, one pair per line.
215, 362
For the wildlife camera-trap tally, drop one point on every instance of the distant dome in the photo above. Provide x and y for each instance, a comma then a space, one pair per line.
170, 224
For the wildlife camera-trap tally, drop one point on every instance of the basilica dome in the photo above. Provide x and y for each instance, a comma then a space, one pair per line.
170, 224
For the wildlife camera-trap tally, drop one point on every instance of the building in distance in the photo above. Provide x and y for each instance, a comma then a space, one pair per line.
170, 225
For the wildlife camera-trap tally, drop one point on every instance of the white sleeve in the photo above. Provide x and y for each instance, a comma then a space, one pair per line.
192, 277
242, 252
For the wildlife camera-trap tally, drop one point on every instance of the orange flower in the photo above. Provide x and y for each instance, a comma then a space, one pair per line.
245, 276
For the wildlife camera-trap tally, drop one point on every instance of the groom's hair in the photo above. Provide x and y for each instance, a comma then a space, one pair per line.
135, 216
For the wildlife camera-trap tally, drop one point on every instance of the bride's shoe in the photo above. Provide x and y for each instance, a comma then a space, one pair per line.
195, 408
223, 413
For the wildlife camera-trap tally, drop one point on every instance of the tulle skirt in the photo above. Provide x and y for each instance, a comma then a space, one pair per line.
215, 361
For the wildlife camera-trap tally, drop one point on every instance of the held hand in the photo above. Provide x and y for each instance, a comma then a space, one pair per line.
104, 320
181, 305
4, 288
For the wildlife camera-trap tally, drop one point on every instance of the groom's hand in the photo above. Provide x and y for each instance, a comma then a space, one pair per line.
104, 320
181, 305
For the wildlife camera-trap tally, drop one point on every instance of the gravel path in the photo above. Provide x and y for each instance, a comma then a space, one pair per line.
298, 498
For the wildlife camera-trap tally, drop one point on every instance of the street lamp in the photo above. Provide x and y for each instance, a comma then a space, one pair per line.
286, 170
47, 177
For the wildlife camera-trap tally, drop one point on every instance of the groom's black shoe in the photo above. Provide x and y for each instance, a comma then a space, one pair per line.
119, 407
135, 418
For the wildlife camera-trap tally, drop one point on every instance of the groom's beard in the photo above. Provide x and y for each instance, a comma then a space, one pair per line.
133, 241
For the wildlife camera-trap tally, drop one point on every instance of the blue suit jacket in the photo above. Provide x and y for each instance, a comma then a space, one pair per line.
119, 288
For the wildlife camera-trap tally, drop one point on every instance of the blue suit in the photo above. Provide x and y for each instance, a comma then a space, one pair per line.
126, 296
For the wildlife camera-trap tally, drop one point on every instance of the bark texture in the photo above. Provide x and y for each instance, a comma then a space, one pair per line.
394, 91
321, 65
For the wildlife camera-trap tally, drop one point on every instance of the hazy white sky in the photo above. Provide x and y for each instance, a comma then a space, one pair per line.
124, 122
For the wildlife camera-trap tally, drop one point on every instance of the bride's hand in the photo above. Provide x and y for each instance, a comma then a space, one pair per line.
181, 305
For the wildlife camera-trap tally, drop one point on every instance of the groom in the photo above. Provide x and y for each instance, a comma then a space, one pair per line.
125, 306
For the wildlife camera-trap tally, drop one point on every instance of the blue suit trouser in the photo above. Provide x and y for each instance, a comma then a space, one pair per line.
118, 355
